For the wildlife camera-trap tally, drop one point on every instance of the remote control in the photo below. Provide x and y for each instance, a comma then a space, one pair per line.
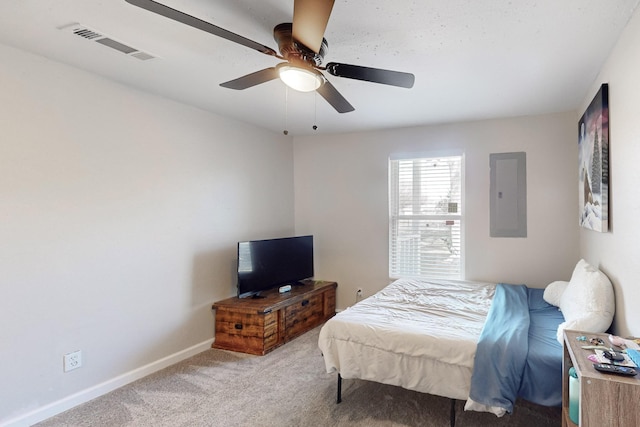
613, 369
284, 289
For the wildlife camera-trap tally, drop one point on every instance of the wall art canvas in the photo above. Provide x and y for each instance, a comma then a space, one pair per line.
593, 163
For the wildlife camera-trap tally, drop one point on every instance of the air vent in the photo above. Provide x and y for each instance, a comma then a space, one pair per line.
86, 33
99, 37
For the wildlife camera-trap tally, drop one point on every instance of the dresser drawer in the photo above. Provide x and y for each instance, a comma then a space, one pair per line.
250, 333
304, 315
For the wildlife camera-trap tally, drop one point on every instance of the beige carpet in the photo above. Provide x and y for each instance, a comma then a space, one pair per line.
288, 387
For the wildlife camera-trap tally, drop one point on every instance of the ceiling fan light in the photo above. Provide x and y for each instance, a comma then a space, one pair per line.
300, 79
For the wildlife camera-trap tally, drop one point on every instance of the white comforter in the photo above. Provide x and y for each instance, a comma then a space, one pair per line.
417, 334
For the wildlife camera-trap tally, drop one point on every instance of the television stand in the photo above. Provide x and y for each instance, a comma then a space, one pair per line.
259, 325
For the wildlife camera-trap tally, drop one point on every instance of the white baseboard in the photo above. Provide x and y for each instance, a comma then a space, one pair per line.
86, 395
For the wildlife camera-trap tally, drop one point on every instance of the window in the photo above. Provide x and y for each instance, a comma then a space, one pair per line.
425, 217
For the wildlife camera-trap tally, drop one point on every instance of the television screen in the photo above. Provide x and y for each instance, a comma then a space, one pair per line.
265, 264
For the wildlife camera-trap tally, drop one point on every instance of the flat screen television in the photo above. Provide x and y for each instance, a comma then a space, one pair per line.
266, 264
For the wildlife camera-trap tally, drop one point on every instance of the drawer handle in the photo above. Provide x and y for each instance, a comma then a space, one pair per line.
238, 325
305, 302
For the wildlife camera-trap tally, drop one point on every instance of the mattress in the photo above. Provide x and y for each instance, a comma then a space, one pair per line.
417, 334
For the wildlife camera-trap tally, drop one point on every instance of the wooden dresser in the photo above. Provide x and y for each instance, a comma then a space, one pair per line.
259, 325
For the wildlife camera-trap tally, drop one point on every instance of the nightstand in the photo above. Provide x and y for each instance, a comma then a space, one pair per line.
605, 399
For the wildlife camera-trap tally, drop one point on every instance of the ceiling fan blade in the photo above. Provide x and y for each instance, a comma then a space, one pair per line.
333, 97
375, 75
310, 18
192, 21
252, 79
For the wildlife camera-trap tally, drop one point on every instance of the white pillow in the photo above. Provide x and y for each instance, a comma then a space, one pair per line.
588, 302
553, 292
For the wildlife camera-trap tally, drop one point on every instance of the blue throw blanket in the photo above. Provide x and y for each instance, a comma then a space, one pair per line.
503, 368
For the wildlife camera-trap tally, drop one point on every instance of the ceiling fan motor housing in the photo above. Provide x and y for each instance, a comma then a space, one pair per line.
294, 51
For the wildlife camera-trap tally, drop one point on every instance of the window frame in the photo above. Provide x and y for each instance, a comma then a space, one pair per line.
394, 215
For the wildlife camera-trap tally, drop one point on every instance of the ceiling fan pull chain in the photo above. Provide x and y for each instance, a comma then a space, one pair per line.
315, 111
286, 103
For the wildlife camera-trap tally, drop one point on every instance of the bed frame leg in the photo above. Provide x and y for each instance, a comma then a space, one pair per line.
452, 415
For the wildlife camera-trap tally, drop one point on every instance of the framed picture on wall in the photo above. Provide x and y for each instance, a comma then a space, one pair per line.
593, 163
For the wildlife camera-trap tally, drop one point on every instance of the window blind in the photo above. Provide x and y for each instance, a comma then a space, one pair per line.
425, 217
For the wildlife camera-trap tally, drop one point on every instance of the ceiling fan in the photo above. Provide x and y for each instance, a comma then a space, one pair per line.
301, 44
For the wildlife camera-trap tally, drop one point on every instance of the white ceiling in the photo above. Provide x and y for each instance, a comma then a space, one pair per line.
472, 59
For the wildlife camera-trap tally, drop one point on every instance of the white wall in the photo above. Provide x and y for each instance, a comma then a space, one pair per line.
617, 252
341, 197
119, 216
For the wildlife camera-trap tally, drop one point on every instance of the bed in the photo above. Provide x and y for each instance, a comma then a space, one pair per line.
483, 343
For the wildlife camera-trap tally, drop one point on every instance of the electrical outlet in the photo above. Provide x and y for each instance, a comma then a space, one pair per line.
72, 361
